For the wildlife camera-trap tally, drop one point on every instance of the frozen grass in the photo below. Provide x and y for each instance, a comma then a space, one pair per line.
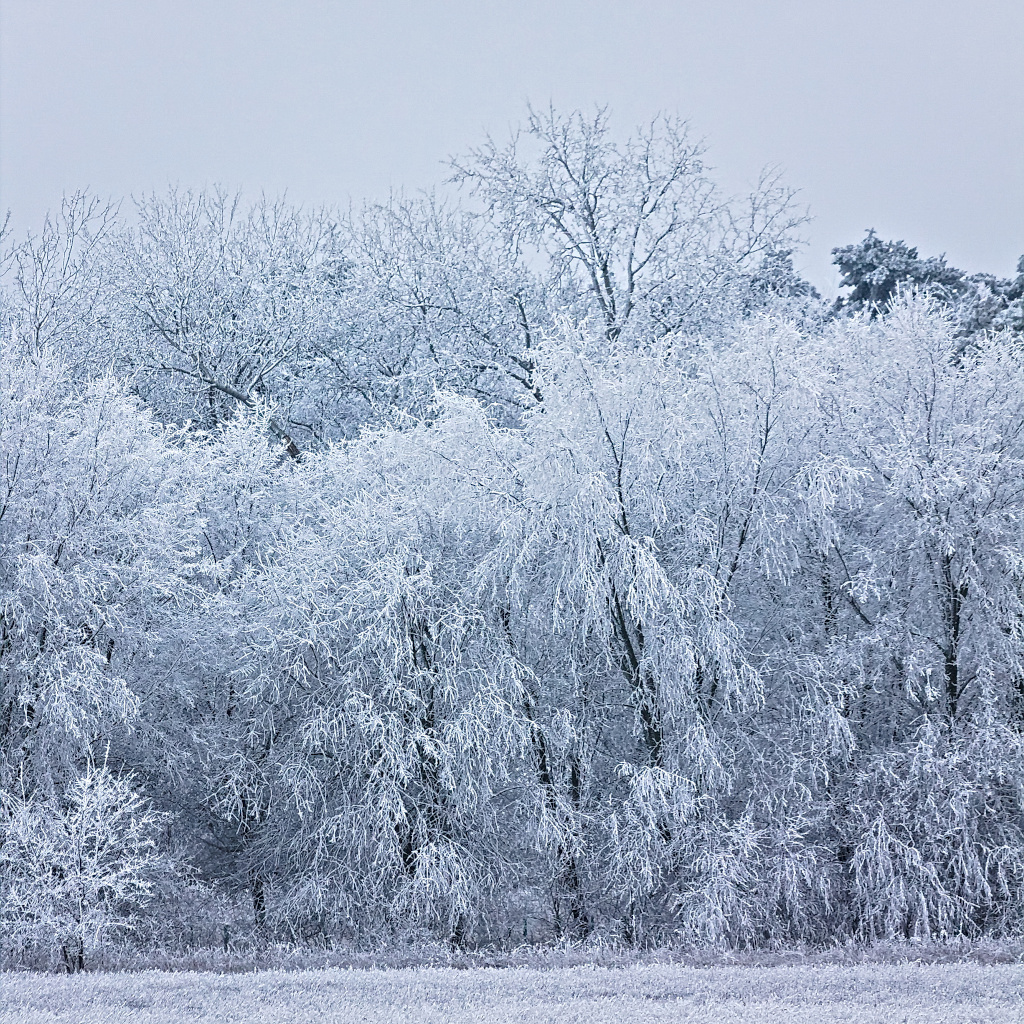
247, 957
806, 994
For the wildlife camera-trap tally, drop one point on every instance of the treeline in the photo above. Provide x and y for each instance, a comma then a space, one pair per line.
548, 563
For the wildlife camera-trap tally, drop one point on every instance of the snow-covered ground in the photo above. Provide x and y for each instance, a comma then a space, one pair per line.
911, 993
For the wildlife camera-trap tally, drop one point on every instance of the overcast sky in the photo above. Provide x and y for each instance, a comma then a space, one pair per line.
903, 115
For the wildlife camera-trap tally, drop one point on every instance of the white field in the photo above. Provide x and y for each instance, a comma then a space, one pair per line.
910, 993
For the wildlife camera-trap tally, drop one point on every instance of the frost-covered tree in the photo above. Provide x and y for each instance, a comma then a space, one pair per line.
75, 872
385, 694
59, 277
902, 645
219, 306
634, 234
93, 548
439, 299
874, 271
563, 224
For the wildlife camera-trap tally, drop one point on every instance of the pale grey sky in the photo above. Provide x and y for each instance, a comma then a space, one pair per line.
903, 115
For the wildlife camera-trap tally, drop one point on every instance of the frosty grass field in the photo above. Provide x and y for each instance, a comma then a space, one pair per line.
911, 993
